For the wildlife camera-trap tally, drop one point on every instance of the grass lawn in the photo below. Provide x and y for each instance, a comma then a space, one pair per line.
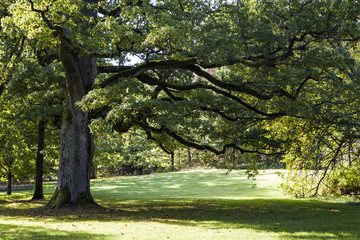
204, 204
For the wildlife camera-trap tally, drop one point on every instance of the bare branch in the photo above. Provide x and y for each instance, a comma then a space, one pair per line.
197, 70
332, 161
150, 137
138, 70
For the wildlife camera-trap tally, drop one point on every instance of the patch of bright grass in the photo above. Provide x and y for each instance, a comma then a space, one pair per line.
187, 205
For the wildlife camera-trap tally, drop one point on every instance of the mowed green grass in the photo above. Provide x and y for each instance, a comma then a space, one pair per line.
206, 204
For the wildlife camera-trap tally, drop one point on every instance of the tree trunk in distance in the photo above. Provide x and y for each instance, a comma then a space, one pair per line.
189, 157
172, 160
349, 155
38, 193
9, 179
93, 173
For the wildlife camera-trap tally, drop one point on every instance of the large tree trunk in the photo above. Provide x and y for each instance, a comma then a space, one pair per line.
77, 148
76, 154
38, 193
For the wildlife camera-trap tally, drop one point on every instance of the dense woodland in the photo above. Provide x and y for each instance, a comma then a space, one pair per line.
237, 83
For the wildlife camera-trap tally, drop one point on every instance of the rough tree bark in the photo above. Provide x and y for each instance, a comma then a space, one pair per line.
77, 147
38, 193
76, 150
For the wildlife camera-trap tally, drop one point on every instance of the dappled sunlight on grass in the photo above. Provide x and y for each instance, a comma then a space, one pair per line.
22, 230
198, 184
186, 205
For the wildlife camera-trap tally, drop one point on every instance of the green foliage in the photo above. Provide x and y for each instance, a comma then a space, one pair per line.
347, 182
231, 77
127, 153
299, 183
15, 154
31, 92
307, 183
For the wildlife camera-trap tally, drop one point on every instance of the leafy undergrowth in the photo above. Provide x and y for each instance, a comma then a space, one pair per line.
188, 205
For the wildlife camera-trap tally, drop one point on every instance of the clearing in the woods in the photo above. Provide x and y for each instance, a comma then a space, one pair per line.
204, 204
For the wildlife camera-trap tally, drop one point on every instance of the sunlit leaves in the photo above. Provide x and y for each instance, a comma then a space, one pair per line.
32, 24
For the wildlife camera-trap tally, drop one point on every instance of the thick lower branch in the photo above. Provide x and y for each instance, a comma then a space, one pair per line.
172, 97
190, 143
189, 65
157, 82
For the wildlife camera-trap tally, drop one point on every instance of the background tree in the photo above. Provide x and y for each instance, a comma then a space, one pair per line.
15, 155
29, 96
125, 154
325, 154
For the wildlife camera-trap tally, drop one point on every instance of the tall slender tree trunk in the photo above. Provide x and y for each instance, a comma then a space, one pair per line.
38, 193
349, 154
93, 173
172, 160
189, 157
179, 157
233, 156
9, 179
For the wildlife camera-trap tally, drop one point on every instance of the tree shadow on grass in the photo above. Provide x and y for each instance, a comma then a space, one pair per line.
315, 218
13, 231
301, 219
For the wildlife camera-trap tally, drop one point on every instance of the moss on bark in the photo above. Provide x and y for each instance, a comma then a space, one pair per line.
62, 198
85, 201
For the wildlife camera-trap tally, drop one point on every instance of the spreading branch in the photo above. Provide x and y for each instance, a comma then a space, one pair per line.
189, 65
43, 16
190, 143
153, 81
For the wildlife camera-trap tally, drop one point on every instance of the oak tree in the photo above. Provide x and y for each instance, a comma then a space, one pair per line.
213, 74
